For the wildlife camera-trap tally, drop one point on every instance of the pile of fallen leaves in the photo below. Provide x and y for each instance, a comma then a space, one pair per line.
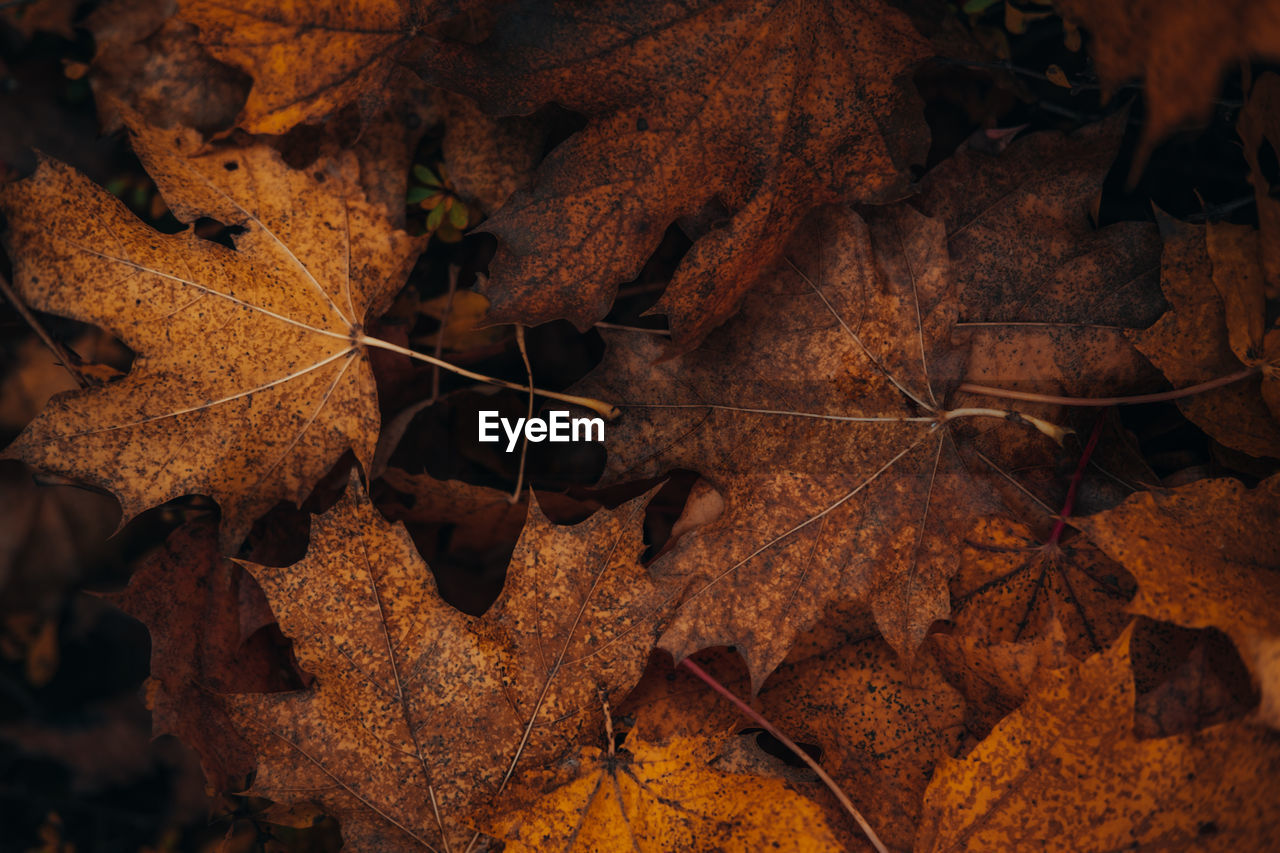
938, 507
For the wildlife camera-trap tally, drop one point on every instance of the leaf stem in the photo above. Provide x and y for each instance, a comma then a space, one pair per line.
1070, 503
609, 411
1161, 397
789, 744
514, 497
1057, 433
36, 326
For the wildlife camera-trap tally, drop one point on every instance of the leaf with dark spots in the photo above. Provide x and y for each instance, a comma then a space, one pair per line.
249, 383
770, 107
309, 59
1206, 555
195, 603
820, 416
421, 715
654, 797
1065, 772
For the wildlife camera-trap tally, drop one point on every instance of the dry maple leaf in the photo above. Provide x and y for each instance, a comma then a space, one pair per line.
652, 797
308, 59
421, 714
881, 726
250, 381
1021, 602
146, 59
819, 415
1182, 48
1045, 294
1066, 773
1206, 555
194, 603
1046, 297
1212, 277
877, 727
766, 107
1012, 586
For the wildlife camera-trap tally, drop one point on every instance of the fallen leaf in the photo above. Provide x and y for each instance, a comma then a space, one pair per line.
420, 713
460, 315
1014, 586
995, 678
659, 797
153, 64
1182, 49
307, 60
1045, 294
248, 384
882, 725
1206, 555
489, 158
817, 416
1186, 680
770, 107
1065, 772
1214, 327
191, 600
1020, 604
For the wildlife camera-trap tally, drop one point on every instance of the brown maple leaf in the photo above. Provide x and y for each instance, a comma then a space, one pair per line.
421, 714
1206, 555
1182, 49
1046, 294
308, 60
818, 414
766, 108
152, 62
250, 381
1012, 586
194, 602
882, 726
1215, 326
651, 797
876, 726
1020, 603
1065, 772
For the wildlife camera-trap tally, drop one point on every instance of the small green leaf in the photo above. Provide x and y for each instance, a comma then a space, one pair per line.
977, 7
458, 215
417, 194
428, 177
435, 217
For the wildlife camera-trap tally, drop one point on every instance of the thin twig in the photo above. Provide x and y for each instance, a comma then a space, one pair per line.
36, 326
789, 744
1069, 505
608, 410
524, 442
621, 328
1161, 397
